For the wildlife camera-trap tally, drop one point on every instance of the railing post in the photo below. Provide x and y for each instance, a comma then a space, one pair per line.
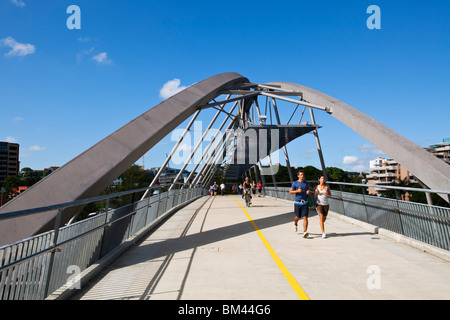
365, 204
399, 211
52, 254
342, 200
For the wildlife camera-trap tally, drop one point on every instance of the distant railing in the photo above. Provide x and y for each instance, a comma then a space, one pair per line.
33, 268
427, 223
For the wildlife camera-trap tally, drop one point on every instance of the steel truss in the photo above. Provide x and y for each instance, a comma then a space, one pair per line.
248, 114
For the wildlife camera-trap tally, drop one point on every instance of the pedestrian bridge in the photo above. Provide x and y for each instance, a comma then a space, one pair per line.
181, 244
217, 248
185, 244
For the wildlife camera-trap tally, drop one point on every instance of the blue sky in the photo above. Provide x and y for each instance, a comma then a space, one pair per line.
63, 90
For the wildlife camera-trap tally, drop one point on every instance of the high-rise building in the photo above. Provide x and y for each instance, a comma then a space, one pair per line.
387, 171
441, 150
9, 160
384, 172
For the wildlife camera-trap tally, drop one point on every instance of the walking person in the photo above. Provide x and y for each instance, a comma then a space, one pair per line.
301, 190
259, 188
322, 193
222, 188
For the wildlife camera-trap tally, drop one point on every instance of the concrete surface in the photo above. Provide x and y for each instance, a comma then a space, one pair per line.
211, 250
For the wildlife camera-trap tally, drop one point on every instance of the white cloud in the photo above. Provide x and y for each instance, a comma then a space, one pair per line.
17, 119
350, 160
84, 53
11, 140
360, 168
18, 3
36, 148
307, 153
102, 58
84, 39
170, 88
370, 149
17, 49
358, 165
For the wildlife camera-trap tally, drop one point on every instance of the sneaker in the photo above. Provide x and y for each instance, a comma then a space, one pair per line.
295, 227
305, 234
324, 235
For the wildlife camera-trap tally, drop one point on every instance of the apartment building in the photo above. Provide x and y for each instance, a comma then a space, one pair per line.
9, 160
386, 171
441, 150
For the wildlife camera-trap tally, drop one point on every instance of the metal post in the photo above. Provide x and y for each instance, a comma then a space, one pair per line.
319, 148
52, 254
365, 204
197, 145
286, 156
211, 159
212, 140
274, 180
161, 169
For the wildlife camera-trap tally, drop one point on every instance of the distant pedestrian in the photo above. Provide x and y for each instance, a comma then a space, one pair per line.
222, 188
301, 190
322, 193
259, 185
215, 186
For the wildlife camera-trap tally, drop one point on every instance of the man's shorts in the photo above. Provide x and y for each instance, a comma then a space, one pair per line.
301, 210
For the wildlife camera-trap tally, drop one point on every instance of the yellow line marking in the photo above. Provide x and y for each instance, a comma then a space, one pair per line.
294, 284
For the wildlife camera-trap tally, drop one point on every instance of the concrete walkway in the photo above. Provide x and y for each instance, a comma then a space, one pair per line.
216, 249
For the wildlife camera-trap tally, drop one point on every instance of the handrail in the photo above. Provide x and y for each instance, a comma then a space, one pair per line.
371, 185
55, 247
389, 187
62, 206
12, 214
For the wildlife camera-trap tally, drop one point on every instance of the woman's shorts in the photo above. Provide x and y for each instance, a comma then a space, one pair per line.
301, 211
323, 210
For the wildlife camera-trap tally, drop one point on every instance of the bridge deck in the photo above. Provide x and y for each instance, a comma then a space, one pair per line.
216, 249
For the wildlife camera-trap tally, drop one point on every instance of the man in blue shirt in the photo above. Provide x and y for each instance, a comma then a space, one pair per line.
301, 190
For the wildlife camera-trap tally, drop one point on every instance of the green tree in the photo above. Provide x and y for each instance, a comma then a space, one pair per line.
336, 174
312, 173
10, 183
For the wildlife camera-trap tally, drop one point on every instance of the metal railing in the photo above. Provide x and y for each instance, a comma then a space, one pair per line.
427, 223
33, 268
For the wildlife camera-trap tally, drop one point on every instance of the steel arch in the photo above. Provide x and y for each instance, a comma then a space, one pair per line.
432, 171
93, 170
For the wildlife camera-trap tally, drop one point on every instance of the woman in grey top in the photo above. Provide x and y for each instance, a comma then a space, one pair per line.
322, 193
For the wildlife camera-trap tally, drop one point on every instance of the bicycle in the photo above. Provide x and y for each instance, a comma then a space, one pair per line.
248, 198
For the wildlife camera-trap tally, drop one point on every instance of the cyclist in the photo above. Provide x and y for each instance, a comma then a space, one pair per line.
247, 186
